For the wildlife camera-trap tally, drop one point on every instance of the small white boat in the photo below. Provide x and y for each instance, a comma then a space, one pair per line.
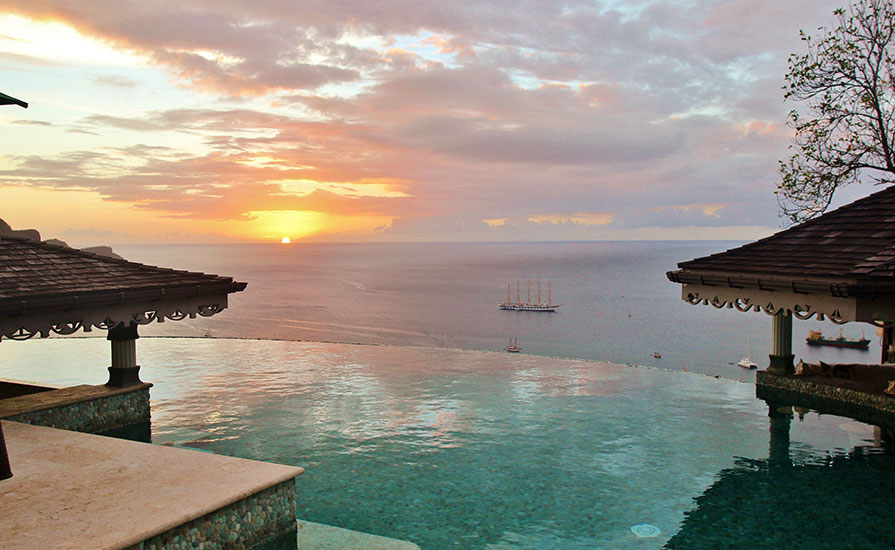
747, 362
513, 346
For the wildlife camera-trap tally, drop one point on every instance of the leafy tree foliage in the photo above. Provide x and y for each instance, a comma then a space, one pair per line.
845, 133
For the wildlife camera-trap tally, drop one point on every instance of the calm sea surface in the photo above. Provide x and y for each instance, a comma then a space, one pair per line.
617, 303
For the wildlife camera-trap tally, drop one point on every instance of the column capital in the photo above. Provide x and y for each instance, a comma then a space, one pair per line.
122, 332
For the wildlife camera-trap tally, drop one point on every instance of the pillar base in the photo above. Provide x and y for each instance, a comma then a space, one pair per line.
124, 377
781, 364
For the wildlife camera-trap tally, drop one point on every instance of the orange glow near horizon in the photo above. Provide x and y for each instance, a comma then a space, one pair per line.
304, 225
269, 225
364, 187
68, 215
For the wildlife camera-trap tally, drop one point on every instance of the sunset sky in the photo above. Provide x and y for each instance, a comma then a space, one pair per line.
397, 120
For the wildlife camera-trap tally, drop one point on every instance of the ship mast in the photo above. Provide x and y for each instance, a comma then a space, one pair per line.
508, 293
529, 292
539, 291
517, 292
549, 295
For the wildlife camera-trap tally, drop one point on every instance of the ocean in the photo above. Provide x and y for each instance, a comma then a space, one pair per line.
617, 304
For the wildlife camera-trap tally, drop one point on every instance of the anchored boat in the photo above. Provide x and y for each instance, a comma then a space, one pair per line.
528, 305
513, 346
816, 338
747, 362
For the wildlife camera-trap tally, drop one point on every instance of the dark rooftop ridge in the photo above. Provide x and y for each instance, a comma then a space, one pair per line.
851, 246
38, 276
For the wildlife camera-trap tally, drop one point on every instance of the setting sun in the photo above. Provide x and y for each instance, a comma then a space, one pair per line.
286, 240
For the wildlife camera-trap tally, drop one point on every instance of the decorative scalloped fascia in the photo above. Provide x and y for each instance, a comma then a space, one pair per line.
23, 327
802, 306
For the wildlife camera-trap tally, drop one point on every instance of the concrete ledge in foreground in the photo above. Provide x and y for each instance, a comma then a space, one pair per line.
72, 490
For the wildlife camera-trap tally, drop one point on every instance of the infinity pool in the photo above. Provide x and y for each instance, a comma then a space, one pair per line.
475, 450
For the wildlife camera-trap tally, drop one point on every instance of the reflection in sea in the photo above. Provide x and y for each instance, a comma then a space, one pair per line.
476, 450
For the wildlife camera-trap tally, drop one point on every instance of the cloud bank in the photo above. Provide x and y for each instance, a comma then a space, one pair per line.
429, 118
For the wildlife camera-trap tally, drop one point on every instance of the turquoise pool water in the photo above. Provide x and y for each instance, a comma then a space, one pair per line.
477, 450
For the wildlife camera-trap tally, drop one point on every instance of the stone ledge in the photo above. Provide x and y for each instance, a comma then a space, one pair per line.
85, 491
871, 407
118, 412
64, 397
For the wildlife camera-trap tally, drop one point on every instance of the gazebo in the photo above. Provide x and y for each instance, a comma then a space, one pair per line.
839, 266
81, 490
47, 289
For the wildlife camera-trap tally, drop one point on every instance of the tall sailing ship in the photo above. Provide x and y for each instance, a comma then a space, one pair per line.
528, 305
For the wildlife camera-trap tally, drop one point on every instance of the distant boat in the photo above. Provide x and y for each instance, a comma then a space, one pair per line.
816, 338
747, 362
513, 346
528, 305
657, 355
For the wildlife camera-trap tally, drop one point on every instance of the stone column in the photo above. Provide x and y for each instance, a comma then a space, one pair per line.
124, 371
781, 355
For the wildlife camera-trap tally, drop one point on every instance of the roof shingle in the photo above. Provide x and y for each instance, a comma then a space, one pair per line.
40, 276
855, 243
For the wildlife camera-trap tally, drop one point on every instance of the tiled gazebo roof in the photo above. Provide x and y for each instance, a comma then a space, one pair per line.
847, 254
47, 288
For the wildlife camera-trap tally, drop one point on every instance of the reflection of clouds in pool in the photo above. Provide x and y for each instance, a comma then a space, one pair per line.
857, 428
645, 530
535, 377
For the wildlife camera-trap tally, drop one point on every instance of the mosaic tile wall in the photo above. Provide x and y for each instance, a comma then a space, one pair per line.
263, 521
872, 408
97, 416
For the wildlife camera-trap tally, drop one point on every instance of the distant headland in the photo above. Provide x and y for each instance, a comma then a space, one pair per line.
34, 235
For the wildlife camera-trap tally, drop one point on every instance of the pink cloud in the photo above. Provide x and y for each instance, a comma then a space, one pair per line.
555, 108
